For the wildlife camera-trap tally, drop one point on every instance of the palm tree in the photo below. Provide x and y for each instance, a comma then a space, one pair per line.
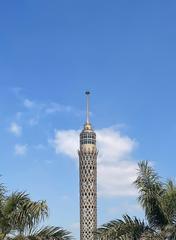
127, 228
20, 218
158, 201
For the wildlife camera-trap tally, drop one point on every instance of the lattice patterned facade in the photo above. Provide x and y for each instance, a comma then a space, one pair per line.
88, 183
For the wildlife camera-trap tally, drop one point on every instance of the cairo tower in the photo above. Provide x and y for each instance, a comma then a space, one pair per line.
88, 179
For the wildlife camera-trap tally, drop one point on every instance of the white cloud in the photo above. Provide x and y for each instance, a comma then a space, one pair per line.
67, 142
15, 129
56, 107
28, 103
126, 207
36, 111
116, 169
116, 179
20, 149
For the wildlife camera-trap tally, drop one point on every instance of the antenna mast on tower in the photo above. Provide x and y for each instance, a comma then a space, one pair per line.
87, 107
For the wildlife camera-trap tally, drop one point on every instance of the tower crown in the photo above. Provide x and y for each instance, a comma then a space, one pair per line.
87, 135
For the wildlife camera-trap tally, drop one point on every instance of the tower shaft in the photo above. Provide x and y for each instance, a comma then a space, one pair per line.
88, 182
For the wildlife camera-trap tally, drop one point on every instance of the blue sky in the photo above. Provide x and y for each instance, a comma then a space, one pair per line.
124, 52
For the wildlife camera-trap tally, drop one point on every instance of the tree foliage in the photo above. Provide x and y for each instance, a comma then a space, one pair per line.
20, 218
158, 200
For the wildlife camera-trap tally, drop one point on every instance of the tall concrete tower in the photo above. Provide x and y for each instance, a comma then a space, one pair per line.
88, 179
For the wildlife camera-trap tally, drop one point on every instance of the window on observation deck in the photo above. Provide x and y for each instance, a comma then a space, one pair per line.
88, 138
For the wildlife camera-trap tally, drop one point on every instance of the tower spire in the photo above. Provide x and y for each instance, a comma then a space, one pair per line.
87, 107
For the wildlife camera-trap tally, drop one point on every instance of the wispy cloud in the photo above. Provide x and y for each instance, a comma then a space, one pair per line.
28, 103
56, 107
126, 207
116, 167
15, 129
34, 111
20, 149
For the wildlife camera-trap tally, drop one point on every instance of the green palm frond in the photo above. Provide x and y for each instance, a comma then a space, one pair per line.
50, 233
36, 211
153, 236
109, 230
169, 232
128, 228
2, 196
22, 212
20, 217
13, 202
151, 191
169, 201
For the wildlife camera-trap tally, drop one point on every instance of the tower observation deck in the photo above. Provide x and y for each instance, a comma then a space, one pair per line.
88, 179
